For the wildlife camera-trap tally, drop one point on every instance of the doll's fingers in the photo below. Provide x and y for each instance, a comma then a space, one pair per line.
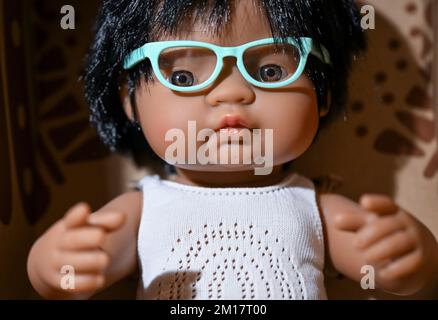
377, 230
82, 238
351, 221
84, 262
77, 215
403, 267
378, 203
110, 221
394, 246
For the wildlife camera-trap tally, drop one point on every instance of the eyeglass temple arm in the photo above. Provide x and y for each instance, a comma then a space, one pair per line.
321, 53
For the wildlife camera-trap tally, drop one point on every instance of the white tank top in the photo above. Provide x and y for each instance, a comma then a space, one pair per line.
230, 243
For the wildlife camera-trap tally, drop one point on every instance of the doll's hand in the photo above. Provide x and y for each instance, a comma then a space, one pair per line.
76, 242
401, 249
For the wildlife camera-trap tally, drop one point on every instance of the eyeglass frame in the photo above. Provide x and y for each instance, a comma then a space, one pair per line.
152, 51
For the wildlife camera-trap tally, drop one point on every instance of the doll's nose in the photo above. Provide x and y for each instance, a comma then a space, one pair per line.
230, 87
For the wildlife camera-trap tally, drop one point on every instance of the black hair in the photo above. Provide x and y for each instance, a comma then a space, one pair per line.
124, 25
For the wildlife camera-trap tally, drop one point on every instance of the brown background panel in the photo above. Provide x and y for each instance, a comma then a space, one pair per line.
23, 128
16, 236
5, 169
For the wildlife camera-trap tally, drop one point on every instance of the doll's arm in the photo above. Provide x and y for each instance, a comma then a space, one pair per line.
376, 232
101, 248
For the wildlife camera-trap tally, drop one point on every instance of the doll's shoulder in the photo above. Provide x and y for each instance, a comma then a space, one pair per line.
330, 204
334, 201
129, 203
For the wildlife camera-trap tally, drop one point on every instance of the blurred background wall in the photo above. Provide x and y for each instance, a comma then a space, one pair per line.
50, 157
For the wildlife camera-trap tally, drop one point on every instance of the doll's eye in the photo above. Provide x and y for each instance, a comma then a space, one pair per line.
182, 78
271, 73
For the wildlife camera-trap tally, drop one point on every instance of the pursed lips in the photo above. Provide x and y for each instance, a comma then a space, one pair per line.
232, 124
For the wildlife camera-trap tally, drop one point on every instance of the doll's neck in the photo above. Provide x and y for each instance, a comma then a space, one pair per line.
229, 179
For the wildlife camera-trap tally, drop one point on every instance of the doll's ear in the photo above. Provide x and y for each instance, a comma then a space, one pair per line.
324, 109
126, 100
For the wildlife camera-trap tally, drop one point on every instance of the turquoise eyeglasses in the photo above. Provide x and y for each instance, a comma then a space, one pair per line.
188, 66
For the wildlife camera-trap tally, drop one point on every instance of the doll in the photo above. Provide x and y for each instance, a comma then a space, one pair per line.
219, 230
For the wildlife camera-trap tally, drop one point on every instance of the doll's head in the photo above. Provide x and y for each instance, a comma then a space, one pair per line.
134, 109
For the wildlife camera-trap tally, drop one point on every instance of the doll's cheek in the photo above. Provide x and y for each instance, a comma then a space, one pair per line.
157, 129
156, 116
287, 148
153, 138
164, 126
293, 137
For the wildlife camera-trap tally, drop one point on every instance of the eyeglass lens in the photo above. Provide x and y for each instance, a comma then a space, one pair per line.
190, 66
